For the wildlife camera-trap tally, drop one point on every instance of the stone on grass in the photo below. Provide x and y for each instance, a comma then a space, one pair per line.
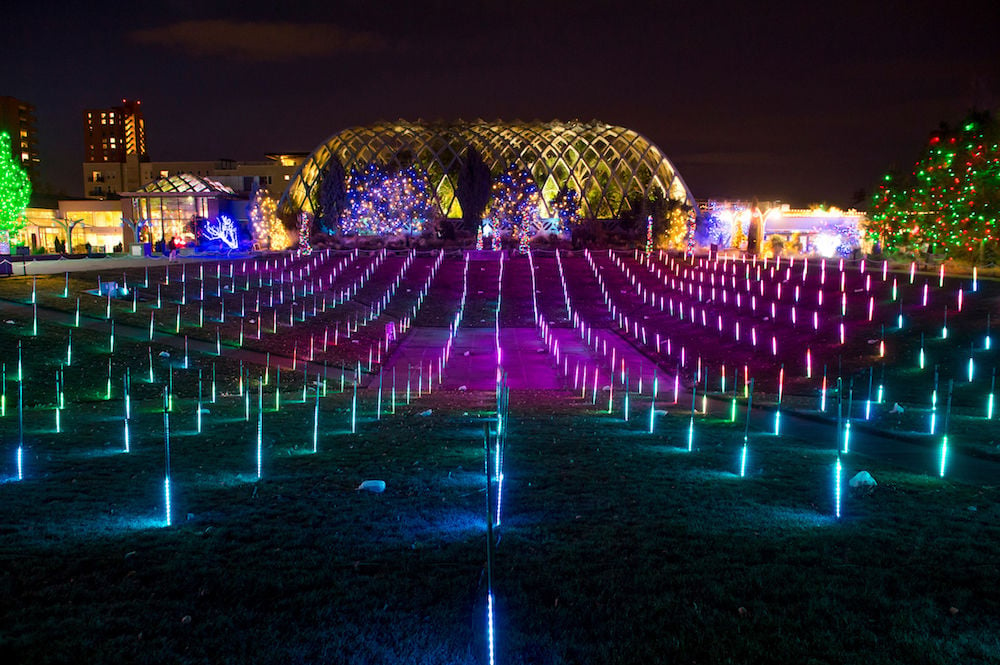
376, 486
862, 481
896, 408
425, 413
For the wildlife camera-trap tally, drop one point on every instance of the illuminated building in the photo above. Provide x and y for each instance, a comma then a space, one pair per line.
815, 230
17, 118
114, 146
107, 179
609, 167
169, 206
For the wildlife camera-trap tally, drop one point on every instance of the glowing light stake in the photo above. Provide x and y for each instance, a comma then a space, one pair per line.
971, 364
822, 393
868, 402
924, 301
847, 422
166, 458
837, 472
354, 403
20, 421
625, 400
777, 410
922, 357
652, 401
260, 427
694, 391
989, 399
944, 440
316, 421
934, 394
987, 341
149, 351
732, 407
944, 327
76, 320
941, 276
746, 434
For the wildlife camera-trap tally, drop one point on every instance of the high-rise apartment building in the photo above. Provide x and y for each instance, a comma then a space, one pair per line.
113, 134
114, 147
17, 118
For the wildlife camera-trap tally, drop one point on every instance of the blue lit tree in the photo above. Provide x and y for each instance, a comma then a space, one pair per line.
567, 207
515, 201
380, 203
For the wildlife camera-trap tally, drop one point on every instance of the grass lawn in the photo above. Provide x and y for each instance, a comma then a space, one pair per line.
616, 546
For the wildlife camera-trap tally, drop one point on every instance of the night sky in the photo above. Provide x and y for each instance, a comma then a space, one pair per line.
808, 104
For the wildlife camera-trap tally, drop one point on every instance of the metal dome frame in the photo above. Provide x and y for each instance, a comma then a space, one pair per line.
607, 165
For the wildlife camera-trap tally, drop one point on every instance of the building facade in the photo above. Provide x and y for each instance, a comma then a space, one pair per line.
108, 179
17, 118
114, 149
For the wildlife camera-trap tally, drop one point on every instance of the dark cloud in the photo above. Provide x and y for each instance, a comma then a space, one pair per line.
259, 41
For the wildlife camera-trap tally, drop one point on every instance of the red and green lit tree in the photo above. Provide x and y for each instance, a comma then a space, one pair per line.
949, 200
15, 192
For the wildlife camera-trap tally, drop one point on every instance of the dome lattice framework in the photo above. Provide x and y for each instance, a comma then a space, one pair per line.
609, 166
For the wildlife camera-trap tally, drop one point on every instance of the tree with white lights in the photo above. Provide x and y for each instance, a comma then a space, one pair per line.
514, 206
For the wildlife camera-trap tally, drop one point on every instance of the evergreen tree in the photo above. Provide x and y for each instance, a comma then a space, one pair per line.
950, 199
332, 196
473, 189
15, 192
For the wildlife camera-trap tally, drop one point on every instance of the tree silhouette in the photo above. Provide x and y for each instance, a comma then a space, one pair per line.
332, 195
474, 185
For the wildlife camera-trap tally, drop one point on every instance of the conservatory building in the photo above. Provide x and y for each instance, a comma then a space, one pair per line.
610, 168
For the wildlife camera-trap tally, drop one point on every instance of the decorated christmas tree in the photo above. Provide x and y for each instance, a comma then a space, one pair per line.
515, 202
949, 201
268, 230
15, 191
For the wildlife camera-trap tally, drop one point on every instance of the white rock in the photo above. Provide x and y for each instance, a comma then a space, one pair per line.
896, 408
462, 389
377, 486
467, 354
862, 479
164, 354
426, 413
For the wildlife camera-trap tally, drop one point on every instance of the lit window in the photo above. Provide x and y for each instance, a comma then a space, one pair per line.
288, 177
164, 174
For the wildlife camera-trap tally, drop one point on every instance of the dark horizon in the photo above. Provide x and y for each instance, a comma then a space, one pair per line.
810, 104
